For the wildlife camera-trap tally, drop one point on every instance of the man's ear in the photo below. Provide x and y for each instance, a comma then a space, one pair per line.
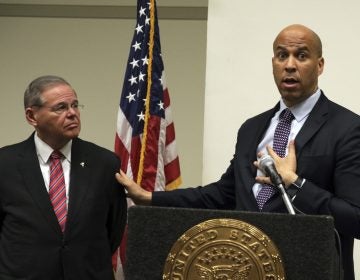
30, 115
321, 65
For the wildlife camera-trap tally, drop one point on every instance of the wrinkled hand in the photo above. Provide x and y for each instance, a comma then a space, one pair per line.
285, 166
134, 191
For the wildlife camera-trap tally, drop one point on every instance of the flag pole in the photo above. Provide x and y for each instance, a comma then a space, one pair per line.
148, 92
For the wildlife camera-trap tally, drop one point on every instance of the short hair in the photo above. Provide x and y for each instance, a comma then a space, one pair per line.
32, 95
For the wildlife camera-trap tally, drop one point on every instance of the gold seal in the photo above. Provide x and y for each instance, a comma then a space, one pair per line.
223, 249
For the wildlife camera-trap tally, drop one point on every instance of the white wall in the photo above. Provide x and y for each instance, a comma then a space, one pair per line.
239, 81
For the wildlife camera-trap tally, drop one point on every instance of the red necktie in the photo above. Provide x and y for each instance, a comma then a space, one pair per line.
281, 136
57, 191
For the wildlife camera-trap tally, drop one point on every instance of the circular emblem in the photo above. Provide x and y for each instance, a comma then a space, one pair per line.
223, 249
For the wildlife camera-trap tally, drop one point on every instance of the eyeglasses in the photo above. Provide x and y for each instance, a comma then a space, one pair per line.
63, 107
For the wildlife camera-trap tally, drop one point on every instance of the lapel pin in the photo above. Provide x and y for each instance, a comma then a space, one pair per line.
82, 164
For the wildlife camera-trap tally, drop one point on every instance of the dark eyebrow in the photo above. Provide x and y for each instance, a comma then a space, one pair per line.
280, 48
303, 49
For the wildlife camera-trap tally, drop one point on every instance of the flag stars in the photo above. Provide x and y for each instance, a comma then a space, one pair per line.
145, 60
134, 63
141, 76
136, 46
132, 80
161, 105
141, 116
139, 28
147, 20
131, 97
142, 11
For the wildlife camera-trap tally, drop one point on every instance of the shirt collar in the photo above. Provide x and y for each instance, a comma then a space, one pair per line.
303, 109
44, 151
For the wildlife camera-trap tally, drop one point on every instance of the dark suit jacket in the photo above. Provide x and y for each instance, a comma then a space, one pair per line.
32, 246
328, 157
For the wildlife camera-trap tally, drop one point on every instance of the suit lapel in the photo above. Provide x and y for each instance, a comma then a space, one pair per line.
79, 177
29, 168
316, 119
263, 124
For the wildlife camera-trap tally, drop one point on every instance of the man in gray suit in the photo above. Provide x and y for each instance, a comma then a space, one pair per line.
63, 221
321, 169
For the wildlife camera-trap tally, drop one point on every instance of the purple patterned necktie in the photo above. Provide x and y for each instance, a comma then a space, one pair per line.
57, 191
280, 142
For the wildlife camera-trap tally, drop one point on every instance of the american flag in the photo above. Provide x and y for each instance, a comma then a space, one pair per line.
145, 134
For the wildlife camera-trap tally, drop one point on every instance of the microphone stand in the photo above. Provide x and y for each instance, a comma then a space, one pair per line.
267, 165
286, 199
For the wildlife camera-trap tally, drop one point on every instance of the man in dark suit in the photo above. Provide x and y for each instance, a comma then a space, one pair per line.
321, 169
70, 232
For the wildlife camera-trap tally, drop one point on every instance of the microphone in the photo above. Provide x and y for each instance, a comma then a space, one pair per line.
266, 164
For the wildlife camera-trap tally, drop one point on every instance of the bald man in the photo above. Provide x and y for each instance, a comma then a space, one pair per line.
320, 167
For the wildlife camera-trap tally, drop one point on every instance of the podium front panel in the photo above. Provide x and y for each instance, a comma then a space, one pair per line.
306, 243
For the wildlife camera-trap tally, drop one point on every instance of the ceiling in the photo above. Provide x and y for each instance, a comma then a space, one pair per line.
163, 3
124, 9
